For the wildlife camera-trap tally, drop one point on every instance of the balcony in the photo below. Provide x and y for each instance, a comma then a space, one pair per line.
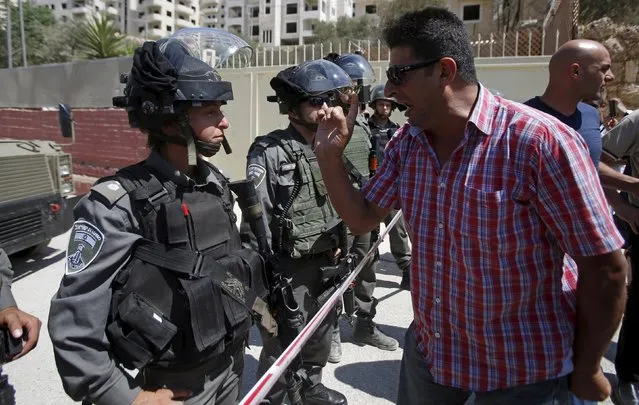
182, 23
208, 3
183, 8
210, 10
212, 20
149, 3
154, 16
156, 33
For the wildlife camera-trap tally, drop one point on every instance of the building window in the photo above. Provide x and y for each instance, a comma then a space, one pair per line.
371, 9
291, 8
64, 6
53, 7
193, 22
140, 15
255, 30
308, 7
471, 13
169, 28
267, 10
141, 30
291, 28
168, 13
255, 12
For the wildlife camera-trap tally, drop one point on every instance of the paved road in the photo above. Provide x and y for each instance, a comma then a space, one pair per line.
366, 376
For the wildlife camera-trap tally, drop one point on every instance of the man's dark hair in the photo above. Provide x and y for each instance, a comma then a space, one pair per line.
434, 33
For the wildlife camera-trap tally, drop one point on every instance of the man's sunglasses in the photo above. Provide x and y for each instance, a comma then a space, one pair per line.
396, 73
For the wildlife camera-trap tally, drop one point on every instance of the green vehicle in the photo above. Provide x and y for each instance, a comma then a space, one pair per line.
36, 186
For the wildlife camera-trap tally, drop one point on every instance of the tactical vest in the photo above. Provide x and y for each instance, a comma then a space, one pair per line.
186, 294
383, 136
306, 223
356, 152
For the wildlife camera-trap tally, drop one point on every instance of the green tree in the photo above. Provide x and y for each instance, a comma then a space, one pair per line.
62, 44
37, 21
346, 29
619, 11
389, 10
100, 38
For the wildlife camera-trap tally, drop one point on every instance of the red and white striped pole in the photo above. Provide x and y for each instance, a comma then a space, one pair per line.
264, 385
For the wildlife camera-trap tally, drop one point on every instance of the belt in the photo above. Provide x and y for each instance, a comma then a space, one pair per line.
190, 378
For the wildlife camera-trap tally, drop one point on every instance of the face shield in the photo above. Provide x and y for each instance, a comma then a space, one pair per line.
215, 47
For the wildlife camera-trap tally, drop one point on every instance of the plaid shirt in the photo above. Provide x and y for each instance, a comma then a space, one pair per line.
492, 287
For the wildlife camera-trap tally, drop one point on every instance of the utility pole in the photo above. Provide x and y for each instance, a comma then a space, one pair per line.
22, 38
9, 48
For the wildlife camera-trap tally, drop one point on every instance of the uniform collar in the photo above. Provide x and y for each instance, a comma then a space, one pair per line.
389, 124
157, 162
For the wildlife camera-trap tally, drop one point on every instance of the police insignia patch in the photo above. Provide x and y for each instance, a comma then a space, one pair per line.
85, 243
256, 173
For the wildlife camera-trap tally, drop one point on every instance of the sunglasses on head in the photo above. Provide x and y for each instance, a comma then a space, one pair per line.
396, 73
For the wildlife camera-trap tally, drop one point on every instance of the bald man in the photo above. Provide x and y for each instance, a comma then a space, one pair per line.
579, 72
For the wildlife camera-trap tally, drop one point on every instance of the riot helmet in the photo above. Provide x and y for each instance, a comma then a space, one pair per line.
359, 70
316, 81
377, 93
177, 72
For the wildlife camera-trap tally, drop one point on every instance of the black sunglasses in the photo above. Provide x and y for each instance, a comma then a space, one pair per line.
318, 101
396, 73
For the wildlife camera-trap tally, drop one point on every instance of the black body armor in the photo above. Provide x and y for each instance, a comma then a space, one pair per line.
187, 293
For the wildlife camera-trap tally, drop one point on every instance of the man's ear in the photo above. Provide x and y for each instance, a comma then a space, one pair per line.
448, 70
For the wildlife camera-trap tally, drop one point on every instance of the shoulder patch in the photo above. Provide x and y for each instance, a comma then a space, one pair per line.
85, 243
110, 191
257, 173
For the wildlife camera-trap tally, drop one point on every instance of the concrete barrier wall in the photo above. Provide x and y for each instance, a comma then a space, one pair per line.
88, 86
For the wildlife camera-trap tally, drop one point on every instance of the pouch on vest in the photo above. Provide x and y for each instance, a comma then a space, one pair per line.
144, 332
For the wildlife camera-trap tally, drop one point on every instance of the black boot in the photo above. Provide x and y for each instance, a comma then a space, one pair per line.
405, 284
367, 333
319, 394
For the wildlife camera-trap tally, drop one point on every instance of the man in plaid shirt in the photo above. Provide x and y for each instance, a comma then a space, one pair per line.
504, 208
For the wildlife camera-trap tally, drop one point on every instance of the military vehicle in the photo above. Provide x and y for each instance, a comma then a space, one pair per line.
36, 185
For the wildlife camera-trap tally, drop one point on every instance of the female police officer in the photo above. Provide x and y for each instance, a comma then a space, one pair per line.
156, 279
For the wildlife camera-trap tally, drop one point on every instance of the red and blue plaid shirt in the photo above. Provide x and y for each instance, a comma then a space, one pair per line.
492, 286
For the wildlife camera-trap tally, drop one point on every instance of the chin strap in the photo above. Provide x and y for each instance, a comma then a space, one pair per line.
188, 139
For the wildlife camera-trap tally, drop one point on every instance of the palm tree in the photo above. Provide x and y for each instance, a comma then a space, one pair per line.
100, 38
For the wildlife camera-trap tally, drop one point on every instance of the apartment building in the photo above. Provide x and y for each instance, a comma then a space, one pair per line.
149, 19
477, 15
272, 22
76, 10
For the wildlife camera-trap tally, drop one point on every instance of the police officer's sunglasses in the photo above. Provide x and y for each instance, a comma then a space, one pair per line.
330, 98
396, 73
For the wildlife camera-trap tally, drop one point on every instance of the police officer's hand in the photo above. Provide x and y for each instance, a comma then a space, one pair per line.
163, 396
590, 386
335, 129
21, 325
